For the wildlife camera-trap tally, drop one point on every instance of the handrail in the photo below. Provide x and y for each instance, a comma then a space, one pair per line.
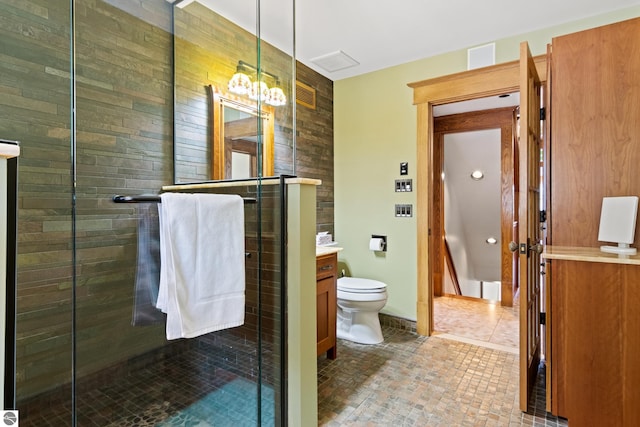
452, 268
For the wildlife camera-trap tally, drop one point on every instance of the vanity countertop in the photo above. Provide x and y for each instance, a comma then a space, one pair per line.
9, 149
236, 183
587, 255
326, 250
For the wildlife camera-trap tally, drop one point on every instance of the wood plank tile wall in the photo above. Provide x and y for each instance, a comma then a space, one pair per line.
124, 140
314, 144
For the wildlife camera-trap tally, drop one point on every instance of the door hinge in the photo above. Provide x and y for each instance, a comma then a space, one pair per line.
543, 216
543, 114
543, 318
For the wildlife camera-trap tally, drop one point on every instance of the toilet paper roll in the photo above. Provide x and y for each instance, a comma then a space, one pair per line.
376, 244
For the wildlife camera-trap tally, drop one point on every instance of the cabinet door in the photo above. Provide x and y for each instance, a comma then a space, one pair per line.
326, 314
595, 120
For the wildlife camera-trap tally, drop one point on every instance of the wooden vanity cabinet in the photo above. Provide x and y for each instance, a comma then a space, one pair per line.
326, 303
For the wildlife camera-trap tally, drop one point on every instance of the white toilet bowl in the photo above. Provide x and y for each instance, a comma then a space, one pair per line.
359, 301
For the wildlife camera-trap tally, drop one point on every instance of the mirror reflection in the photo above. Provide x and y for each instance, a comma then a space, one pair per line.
241, 134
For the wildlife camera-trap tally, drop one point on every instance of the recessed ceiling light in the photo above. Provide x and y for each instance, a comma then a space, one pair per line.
492, 240
477, 175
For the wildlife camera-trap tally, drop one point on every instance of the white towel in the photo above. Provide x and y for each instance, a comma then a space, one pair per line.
202, 274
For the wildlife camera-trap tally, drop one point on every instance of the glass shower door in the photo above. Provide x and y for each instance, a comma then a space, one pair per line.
35, 96
143, 78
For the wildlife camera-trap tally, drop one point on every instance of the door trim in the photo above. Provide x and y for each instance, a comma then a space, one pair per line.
488, 81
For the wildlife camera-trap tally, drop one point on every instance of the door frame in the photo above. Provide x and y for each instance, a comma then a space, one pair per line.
463, 86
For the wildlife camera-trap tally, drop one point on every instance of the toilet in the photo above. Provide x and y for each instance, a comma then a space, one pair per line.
359, 301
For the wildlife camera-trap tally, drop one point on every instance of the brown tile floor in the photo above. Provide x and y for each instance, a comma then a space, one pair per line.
411, 380
408, 380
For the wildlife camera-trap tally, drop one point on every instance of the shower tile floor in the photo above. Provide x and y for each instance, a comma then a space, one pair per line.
183, 389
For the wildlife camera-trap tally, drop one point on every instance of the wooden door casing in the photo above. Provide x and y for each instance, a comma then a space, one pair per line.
466, 85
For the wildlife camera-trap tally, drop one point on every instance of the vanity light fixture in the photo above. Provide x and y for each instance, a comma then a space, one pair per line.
256, 89
477, 175
491, 241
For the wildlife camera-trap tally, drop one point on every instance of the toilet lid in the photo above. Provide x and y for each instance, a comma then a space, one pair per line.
356, 284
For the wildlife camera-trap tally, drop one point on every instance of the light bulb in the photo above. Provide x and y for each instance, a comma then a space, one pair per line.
276, 97
240, 84
259, 91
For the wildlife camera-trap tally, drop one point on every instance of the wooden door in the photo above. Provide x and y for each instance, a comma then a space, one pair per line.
528, 223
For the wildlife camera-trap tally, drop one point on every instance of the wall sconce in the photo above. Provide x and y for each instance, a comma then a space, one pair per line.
258, 90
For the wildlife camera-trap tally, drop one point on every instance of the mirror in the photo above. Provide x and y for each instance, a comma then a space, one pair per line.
209, 48
241, 135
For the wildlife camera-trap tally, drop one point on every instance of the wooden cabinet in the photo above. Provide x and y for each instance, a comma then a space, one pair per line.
595, 336
594, 153
326, 303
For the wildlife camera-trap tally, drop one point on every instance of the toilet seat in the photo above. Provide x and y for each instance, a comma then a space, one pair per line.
358, 285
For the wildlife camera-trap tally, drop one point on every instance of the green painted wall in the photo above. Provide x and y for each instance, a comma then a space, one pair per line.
375, 130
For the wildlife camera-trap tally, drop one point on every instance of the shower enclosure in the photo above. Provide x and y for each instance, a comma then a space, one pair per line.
100, 92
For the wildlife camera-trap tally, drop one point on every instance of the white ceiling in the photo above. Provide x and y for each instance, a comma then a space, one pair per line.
380, 34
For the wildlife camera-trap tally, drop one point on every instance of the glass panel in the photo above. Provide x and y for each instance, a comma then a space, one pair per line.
127, 369
124, 365
35, 102
209, 43
217, 56
277, 59
90, 350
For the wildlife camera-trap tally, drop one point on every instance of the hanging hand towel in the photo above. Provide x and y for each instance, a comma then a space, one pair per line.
202, 278
147, 267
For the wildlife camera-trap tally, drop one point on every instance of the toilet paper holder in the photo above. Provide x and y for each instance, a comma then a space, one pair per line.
383, 245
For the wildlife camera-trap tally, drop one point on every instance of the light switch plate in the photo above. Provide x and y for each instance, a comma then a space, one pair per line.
404, 211
404, 185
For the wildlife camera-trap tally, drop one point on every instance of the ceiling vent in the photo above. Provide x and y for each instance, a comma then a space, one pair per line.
305, 95
335, 61
481, 56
